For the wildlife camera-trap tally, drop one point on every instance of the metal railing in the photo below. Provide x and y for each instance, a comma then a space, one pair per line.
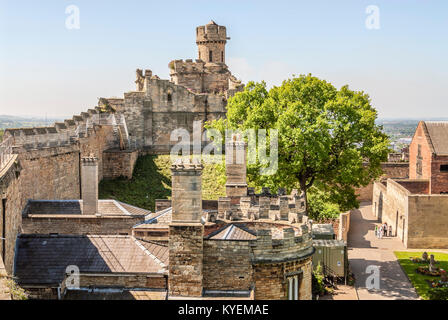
6, 151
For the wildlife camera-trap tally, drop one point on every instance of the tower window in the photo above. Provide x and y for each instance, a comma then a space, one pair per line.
210, 56
169, 97
222, 56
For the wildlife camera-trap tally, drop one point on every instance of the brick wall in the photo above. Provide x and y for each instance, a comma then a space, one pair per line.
391, 170
415, 186
420, 138
439, 179
227, 265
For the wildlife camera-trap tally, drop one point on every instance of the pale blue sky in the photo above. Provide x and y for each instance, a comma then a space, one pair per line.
46, 69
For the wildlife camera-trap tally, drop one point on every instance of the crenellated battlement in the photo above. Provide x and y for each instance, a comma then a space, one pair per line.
211, 32
263, 206
293, 245
61, 133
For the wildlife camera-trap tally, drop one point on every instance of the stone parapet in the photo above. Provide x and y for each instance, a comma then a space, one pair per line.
291, 247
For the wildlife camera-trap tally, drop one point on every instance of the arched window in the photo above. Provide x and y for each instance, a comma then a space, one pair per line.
222, 56
169, 97
210, 56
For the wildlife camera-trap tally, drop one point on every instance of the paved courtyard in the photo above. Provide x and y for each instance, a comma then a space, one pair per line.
365, 249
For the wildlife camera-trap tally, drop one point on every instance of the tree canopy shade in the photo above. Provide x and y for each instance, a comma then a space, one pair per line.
327, 137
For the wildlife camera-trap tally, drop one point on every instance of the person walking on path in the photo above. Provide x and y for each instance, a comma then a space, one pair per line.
390, 231
385, 229
376, 231
380, 233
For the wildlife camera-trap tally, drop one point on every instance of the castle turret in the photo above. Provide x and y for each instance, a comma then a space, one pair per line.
211, 40
186, 231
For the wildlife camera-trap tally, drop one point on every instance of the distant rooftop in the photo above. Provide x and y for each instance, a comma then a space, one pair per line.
438, 134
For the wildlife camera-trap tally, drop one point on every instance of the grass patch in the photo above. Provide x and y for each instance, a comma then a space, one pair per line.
419, 281
152, 180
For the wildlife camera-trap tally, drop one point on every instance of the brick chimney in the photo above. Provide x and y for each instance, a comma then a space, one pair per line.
89, 185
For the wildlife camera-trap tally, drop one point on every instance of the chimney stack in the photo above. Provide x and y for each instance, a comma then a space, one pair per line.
89, 185
236, 185
186, 233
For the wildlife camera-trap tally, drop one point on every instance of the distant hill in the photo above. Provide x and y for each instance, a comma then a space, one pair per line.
7, 121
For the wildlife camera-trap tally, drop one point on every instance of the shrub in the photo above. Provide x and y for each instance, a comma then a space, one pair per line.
320, 208
318, 281
17, 293
438, 294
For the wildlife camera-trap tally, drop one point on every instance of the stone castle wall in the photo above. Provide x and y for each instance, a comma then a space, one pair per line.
47, 166
427, 221
50, 173
272, 284
275, 260
227, 265
119, 163
154, 113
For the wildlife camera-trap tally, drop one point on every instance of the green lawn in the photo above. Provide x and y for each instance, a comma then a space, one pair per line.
152, 180
420, 281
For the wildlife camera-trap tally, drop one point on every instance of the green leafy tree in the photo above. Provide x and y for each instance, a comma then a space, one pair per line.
326, 137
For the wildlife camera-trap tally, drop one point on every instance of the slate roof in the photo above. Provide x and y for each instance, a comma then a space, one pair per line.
438, 135
74, 207
134, 210
42, 260
158, 219
160, 251
233, 232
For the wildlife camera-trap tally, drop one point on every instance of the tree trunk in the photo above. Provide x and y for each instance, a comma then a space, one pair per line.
303, 187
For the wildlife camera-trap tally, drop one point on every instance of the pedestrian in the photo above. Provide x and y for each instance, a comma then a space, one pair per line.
380, 232
390, 231
376, 231
385, 229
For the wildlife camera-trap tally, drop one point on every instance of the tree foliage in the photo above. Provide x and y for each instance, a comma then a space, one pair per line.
327, 137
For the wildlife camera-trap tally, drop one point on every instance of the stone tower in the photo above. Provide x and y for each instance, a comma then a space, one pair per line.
211, 40
186, 230
236, 185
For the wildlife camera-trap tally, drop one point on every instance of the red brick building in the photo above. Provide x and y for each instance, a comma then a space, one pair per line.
428, 155
417, 207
